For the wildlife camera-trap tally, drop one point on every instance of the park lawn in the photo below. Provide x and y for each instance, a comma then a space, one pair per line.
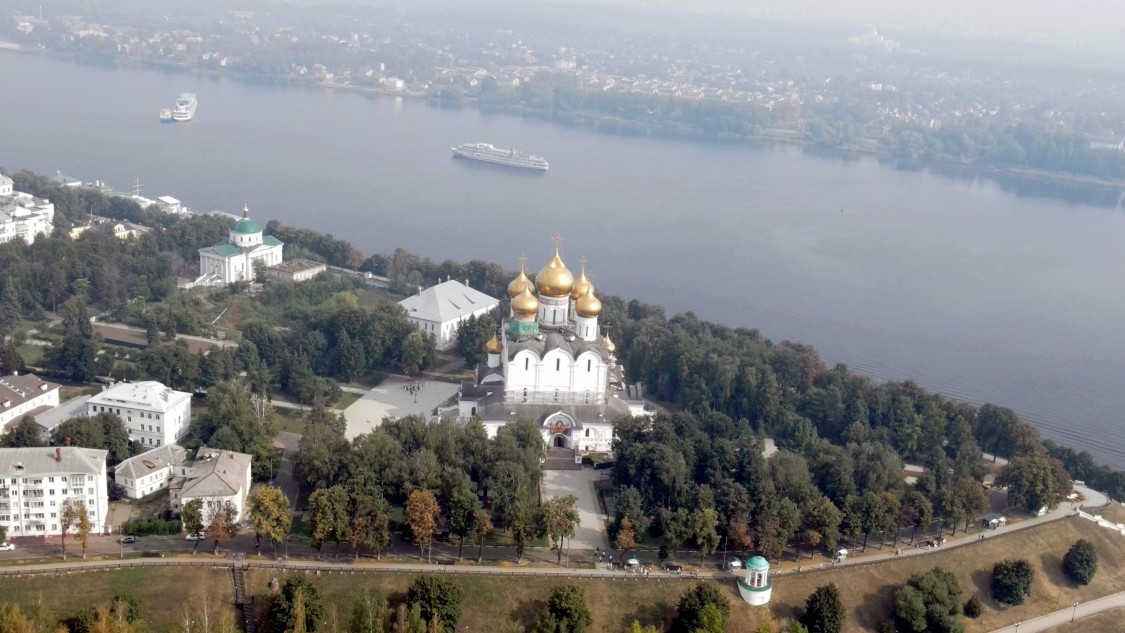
32, 355
1113, 512
489, 602
290, 421
163, 591
869, 590
346, 400
1097, 623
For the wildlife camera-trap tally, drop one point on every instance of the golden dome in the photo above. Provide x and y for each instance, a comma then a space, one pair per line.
554, 280
580, 286
494, 346
609, 344
525, 306
518, 284
588, 305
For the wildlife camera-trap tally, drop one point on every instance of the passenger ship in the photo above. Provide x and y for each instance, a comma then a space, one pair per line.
185, 107
511, 157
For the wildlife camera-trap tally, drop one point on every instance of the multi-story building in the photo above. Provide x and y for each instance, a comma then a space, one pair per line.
216, 477
439, 310
35, 482
25, 395
144, 474
22, 215
234, 260
154, 415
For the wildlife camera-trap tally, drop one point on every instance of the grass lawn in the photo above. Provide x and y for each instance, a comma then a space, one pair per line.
32, 355
1113, 512
290, 421
1097, 623
346, 400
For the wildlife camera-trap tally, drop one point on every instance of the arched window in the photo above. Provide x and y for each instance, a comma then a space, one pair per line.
589, 365
558, 364
587, 432
526, 366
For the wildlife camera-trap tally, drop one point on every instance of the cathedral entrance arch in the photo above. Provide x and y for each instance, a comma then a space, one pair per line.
559, 441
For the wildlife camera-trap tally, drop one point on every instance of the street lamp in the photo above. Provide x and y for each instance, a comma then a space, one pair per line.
1017, 627
1074, 612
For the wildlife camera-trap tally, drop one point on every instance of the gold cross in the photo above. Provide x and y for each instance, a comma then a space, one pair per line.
523, 261
557, 238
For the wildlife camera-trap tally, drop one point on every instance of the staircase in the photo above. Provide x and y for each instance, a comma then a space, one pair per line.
240, 600
559, 458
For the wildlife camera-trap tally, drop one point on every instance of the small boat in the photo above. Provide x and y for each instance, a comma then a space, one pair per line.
166, 115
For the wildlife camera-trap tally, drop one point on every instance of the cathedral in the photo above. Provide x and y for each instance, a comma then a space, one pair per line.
550, 361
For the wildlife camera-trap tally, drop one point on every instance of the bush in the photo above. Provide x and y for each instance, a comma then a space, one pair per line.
145, 527
973, 608
566, 611
437, 598
824, 610
1011, 581
929, 603
1081, 562
689, 615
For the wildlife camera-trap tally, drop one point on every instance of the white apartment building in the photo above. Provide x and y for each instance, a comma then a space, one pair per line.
25, 395
144, 474
216, 477
22, 215
154, 415
34, 483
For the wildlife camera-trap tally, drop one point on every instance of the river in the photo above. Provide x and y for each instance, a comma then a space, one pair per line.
957, 284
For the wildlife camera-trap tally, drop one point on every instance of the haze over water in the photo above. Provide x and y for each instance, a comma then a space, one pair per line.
969, 290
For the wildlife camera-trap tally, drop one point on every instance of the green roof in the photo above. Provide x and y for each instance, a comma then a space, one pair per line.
246, 226
757, 562
270, 240
225, 250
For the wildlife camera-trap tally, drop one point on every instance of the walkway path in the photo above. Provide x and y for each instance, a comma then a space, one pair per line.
590, 533
391, 399
1062, 616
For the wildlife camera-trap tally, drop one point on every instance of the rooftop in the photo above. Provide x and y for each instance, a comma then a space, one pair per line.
298, 265
216, 473
16, 389
148, 394
72, 408
447, 301
35, 460
151, 461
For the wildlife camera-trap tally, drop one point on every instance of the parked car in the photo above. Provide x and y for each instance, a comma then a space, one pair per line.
197, 536
7, 547
127, 539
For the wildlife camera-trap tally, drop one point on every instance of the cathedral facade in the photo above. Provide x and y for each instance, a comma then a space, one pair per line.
550, 361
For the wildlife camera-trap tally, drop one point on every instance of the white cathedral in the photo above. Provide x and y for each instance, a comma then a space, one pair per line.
234, 259
550, 362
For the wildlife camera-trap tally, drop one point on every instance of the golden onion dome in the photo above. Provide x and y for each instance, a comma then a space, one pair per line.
518, 284
525, 306
494, 346
588, 305
609, 344
554, 280
580, 286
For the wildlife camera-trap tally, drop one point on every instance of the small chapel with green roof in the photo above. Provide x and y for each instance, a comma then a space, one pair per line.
233, 260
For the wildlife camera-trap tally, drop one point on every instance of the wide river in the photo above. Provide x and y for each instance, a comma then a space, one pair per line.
965, 288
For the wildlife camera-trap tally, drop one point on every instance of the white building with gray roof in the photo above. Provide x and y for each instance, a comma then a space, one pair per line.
216, 476
22, 215
440, 309
34, 483
25, 394
151, 471
153, 414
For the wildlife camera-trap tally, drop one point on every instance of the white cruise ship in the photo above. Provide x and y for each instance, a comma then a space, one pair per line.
511, 157
185, 107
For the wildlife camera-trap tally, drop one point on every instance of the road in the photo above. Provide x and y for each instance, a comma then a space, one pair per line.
1062, 616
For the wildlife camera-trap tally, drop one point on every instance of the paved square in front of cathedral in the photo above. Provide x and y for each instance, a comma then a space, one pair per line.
392, 399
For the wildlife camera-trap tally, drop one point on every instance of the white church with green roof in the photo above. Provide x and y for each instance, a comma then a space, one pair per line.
233, 260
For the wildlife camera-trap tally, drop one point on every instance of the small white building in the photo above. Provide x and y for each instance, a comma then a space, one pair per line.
25, 395
216, 477
34, 483
151, 471
440, 309
51, 418
22, 215
756, 588
296, 270
153, 414
233, 260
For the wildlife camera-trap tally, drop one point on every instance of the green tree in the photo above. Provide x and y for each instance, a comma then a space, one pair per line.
523, 527
824, 610
463, 508
414, 352
371, 614
705, 530
282, 613
74, 356
929, 602
1080, 562
438, 598
689, 613
973, 607
1031, 482
560, 518
482, 526
711, 620
103, 431
409, 620
191, 516
260, 271
370, 523
9, 308
328, 515
25, 433
567, 609
68, 518
1011, 581
270, 513
10, 359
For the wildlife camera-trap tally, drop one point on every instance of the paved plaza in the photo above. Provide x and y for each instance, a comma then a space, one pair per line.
590, 533
394, 398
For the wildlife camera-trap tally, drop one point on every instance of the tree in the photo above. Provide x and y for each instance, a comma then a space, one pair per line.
1080, 562
973, 607
409, 620
328, 515
437, 598
68, 518
414, 353
689, 613
705, 530
917, 512
824, 610
560, 517
371, 614
1031, 482
523, 527
74, 356
482, 525
463, 507
567, 608
283, 606
104, 431
637, 628
270, 514
626, 538
929, 603
370, 525
1011, 581
191, 516
24, 434
422, 513
82, 526
221, 523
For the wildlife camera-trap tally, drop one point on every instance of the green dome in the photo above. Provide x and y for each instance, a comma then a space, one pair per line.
246, 226
757, 562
